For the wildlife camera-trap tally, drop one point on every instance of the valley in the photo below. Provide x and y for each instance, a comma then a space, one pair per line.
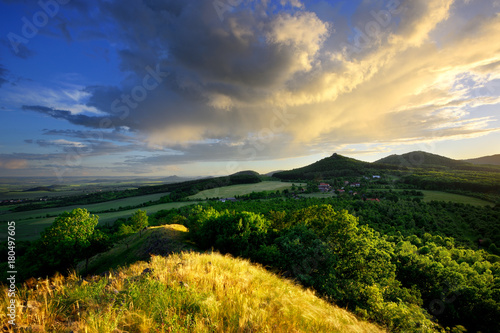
409, 219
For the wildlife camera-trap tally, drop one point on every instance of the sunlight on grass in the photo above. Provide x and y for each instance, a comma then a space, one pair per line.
187, 292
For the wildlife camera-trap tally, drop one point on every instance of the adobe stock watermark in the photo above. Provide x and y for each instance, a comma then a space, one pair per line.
490, 88
120, 110
364, 36
223, 6
438, 306
11, 271
31, 26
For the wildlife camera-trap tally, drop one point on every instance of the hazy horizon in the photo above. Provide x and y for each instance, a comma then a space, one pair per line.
149, 88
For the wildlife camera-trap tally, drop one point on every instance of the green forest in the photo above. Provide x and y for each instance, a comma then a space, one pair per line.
406, 276
404, 264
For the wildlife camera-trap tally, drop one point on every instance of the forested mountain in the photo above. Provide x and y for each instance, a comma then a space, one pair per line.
341, 166
333, 166
421, 159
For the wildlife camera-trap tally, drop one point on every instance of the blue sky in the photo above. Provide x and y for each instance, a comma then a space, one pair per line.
185, 87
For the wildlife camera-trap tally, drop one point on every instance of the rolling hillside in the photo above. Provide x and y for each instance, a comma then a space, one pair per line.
333, 166
421, 159
492, 160
184, 292
341, 166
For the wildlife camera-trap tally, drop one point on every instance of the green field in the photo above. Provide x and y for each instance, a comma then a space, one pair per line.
457, 198
41, 213
234, 190
445, 196
428, 196
29, 224
30, 229
18, 188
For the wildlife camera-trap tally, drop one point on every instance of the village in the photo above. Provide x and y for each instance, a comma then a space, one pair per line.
327, 188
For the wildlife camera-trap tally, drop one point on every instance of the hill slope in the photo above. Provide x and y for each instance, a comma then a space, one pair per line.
187, 292
493, 160
162, 240
419, 159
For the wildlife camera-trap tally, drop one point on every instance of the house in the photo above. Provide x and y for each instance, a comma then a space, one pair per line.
228, 199
355, 185
377, 200
346, 182
376, 177
341, 191
324, 187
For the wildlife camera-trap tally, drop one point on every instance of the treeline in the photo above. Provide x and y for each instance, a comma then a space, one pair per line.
406, 283
424, 160
395, 215
484, 182
177, 191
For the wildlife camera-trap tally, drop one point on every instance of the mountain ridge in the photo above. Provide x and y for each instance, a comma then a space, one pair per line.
421, 159
338, 165
489, 160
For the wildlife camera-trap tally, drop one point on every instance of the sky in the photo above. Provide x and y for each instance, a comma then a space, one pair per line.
213, 87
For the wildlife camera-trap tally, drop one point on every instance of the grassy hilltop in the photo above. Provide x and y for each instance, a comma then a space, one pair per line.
184, 292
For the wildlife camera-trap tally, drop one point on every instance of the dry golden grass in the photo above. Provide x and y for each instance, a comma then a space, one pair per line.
185, 292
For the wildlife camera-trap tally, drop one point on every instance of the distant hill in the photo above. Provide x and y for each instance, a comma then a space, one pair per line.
342, 166
247, 173
270, 174
421, 159
492, 160
333, 166
51, 188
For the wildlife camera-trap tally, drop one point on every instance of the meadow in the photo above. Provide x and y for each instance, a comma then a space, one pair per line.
31, 223
30, 228
235, 190
33, 189
455, 198
448, 197
428, 197
98, 207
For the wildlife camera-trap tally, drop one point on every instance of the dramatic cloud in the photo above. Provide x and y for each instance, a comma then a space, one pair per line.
104, 122
274, 79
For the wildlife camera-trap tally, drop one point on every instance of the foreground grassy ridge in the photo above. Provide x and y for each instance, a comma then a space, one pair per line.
160, 240
187, 292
